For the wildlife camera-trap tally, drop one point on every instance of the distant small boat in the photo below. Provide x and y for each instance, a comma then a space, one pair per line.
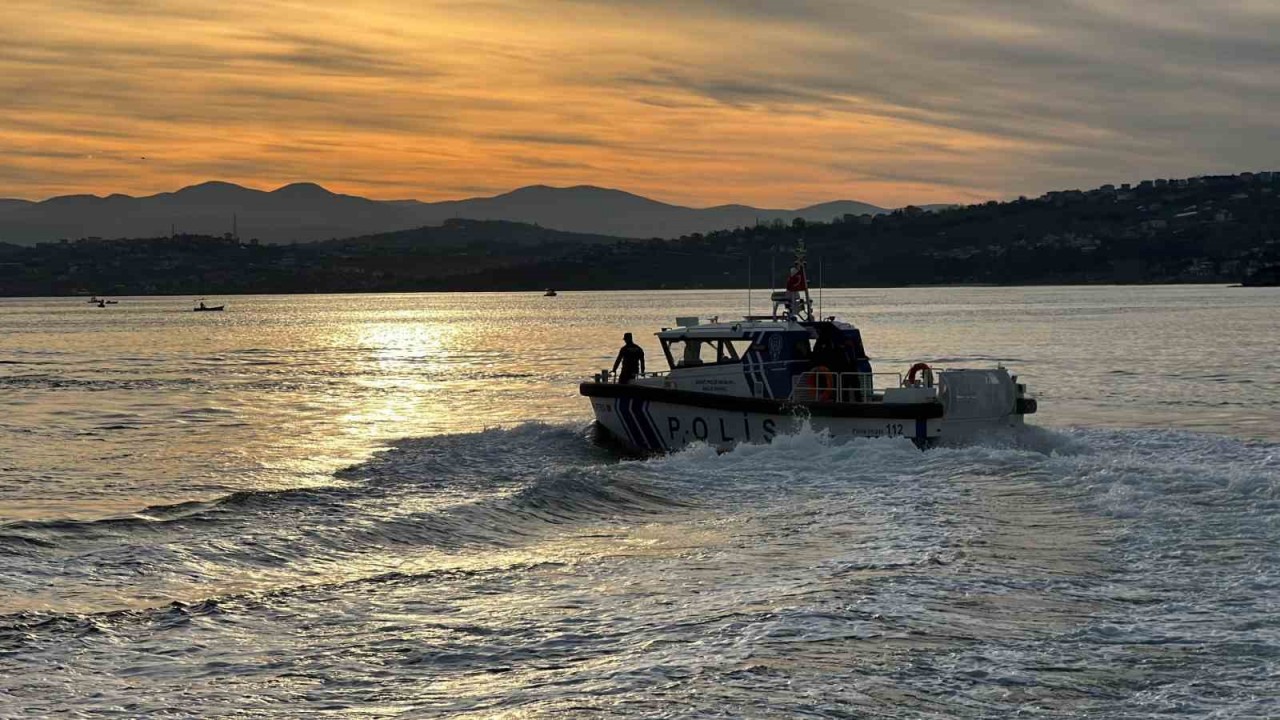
95, 300
551, 292
208, 308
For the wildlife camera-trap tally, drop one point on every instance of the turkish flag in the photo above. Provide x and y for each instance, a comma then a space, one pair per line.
796, 281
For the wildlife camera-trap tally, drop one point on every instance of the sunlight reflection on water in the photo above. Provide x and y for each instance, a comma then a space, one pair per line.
192, 510
147, 402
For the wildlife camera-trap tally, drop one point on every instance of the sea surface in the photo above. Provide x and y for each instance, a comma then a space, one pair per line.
377, 506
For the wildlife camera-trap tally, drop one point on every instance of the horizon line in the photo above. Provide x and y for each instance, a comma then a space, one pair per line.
588, 186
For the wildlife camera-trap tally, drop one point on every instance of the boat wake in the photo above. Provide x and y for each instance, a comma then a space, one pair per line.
1117, 573
442, 495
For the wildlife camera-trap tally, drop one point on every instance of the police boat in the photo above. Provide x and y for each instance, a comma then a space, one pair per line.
753, 379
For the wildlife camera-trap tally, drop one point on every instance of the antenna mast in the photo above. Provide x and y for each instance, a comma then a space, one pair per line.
801, 265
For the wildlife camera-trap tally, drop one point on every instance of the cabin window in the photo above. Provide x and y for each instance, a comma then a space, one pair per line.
733, 350
684, 353
692, 352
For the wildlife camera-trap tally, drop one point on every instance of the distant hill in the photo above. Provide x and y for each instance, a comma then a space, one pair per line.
425, 258
304, 212
294, 212
1214, 229
1206, 229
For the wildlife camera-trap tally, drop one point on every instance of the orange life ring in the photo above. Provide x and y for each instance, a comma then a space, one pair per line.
819, 380
920, 368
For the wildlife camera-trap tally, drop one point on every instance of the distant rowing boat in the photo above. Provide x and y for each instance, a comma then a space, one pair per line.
208, 308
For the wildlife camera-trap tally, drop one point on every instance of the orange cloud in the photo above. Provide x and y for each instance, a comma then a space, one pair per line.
772, 103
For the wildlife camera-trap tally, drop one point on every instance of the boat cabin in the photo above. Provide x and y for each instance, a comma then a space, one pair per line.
758, 357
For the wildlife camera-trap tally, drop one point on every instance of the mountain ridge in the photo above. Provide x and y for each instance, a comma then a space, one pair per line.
307, 212
1203, 229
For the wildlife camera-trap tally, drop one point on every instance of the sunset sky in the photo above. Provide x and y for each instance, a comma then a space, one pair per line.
775, 103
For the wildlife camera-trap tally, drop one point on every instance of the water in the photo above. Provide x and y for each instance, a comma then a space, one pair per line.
392, 505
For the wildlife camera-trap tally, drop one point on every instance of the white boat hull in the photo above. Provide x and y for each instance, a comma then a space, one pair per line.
967, 404
654, 426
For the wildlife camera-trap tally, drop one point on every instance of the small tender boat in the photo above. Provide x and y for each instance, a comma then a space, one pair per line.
208, 308
551, 292
753, 379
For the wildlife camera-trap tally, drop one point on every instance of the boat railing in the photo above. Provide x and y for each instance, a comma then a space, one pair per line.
810, 386
732, 368
840, 387
725, 369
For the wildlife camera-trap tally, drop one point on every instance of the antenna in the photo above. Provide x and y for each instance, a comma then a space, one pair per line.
802, 264
771, 281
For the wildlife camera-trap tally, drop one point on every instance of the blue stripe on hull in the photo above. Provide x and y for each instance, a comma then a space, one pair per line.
620, 408
648, 417
638, 424
641, 410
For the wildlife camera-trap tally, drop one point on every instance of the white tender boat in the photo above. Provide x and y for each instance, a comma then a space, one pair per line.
754, 379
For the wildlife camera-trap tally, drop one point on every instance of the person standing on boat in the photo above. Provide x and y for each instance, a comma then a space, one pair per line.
631, 358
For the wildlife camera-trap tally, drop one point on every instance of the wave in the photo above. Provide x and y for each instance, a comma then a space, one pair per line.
980, 359
59, 382
558, 469
511, 488
154, 516
15, 628
1168, 473
1118, 473
1034, 563
493, 488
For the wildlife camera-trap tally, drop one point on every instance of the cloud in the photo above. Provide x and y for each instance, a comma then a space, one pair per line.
553, 138
772, 102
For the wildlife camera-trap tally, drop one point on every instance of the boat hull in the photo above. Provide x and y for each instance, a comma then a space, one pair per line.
654, 420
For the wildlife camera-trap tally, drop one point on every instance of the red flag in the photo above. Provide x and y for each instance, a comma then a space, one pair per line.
796, 281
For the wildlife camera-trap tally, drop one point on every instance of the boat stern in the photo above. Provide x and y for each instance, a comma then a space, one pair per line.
977, 401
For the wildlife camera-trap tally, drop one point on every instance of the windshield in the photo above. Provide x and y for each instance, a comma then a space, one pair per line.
691, 352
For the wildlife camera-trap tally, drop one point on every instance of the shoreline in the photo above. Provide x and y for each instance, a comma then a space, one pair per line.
561, 291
